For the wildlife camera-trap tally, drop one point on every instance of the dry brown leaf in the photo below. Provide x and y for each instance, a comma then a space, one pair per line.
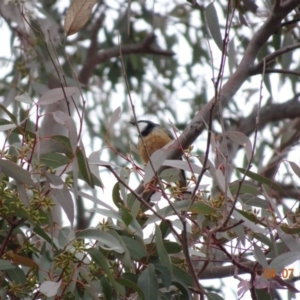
78, 14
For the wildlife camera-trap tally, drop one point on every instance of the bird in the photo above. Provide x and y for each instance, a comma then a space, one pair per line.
154, 137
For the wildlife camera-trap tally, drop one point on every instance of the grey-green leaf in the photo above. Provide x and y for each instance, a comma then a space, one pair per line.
106, 240
213, 24
163, 255
14, 171
148, 283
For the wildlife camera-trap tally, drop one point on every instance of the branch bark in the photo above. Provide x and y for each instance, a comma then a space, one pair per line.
146, 47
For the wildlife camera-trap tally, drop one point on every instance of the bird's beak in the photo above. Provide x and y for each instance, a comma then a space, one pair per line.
132, 123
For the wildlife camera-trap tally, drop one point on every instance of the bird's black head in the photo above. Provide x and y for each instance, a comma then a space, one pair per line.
146, 127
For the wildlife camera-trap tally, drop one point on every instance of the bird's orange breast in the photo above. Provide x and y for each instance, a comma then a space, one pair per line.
154, 141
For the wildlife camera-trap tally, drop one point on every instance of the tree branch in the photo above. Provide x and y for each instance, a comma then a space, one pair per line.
146, 47
242, 73
269, 58
271, 112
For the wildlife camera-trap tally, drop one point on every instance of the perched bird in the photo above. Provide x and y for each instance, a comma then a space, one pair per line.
155, 137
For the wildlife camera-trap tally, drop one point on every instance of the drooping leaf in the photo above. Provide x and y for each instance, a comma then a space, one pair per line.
241, 139
84, 167
14, 171
148, 283
65, 236
61, 194
78, 14
136, 250
114, 118
184, 289
64, 119
94, 169
126, 215
214, 24
261, 179
124, 176
163, 255
57, 94
260, 256
295, 168
106, 240
102, 261
125, 256
128, 283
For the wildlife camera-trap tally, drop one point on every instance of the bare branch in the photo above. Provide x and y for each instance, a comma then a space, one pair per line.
283, 71
145, 47
269, 58
271, 112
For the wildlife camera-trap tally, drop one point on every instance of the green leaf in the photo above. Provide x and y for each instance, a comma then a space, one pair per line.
84, 167
186, 294
101, 260
172, 247
116, 195
12, 116
164, 274
213, 296
64, 143
106, 240
136, 250
54, 160
168, 210
14, 171
290, 230
163, 254
134, 225
65, 236
6, 265
124, 257
148, 283
261, 179
246, 188
251, 217
41, 232
61, 193
254, 201
17, 275
182, 276
106, 287
213, 24
164, 228
124, 176
126, 216
128, 283
202, 208
130, 276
